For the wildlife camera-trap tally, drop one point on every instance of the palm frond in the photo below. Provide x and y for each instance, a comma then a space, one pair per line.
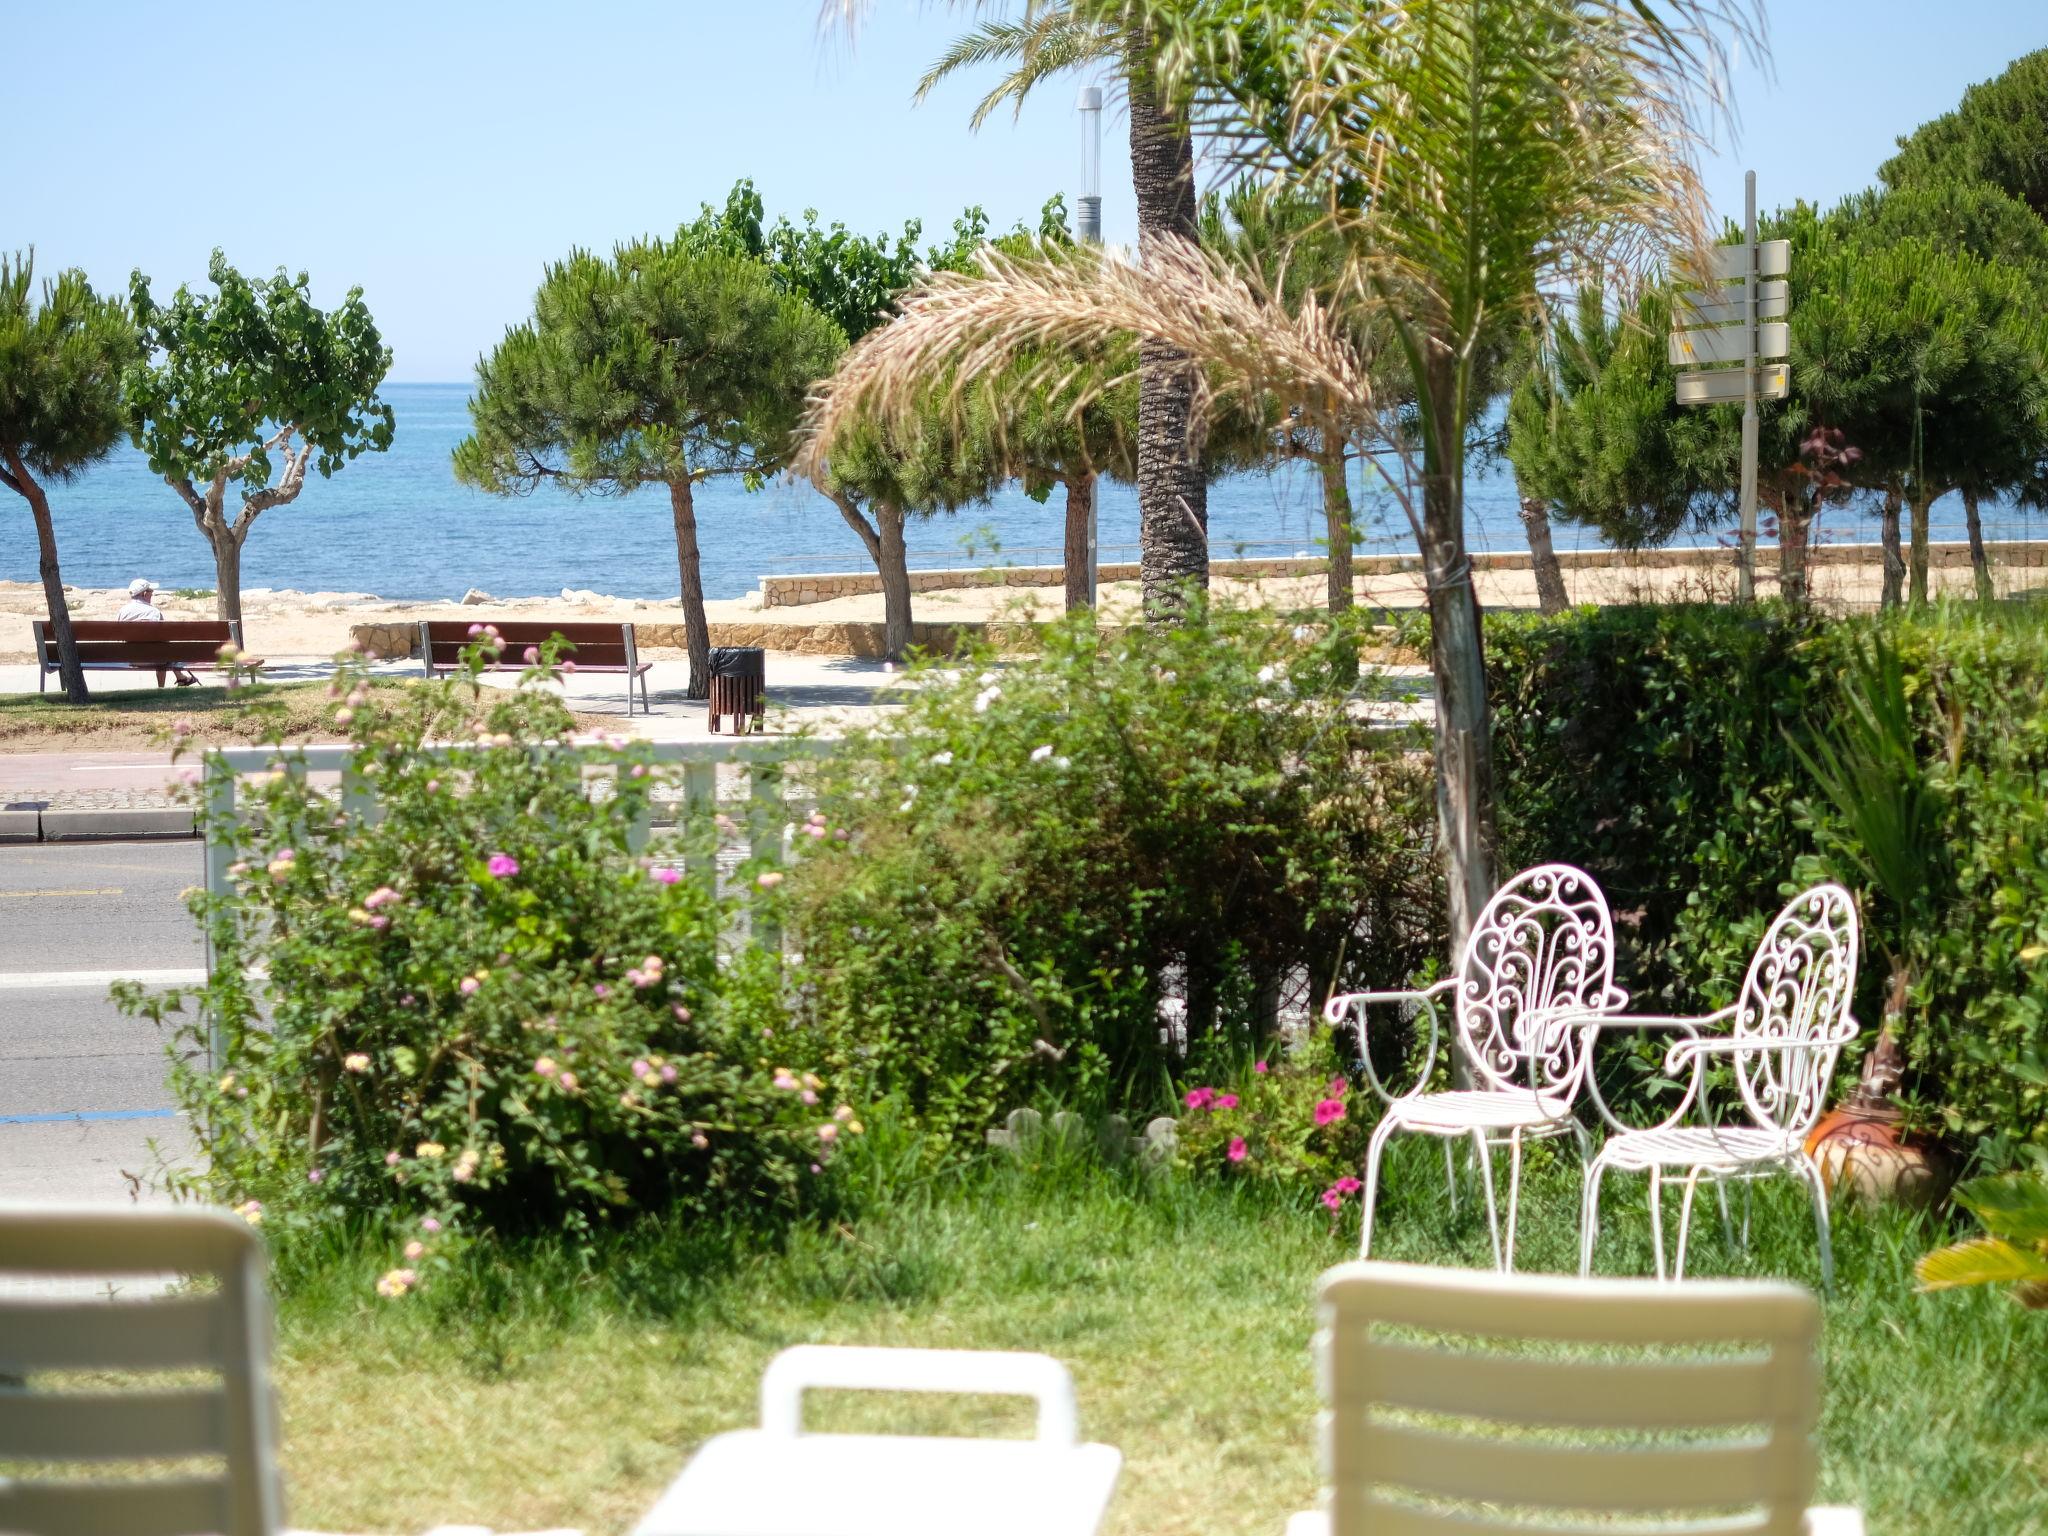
1045, 42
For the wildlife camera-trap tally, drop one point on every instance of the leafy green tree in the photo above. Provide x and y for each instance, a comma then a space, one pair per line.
253, 370
1999, 134
880, 474
62, 354
664, 365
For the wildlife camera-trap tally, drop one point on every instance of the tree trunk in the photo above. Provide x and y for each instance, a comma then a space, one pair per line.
1173, 491
1980, 562
1921, 504
1551, 596
696, 627
1888, 538
69, 673
894, 564
1795, 521
227, 577
1080, 503
1343, 532
1457, 664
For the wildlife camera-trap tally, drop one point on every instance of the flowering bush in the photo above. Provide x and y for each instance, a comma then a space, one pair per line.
1038, 846
480, 1006
1293, 1119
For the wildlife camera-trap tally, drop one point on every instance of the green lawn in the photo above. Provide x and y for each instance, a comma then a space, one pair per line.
550, 1390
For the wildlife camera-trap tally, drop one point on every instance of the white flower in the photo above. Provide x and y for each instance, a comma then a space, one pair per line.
941, 759
1303, 632
1063, 763
1040, 754
986, 697
986, 678
1268, 673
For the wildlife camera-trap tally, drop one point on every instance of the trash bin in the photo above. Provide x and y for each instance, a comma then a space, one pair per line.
739, 686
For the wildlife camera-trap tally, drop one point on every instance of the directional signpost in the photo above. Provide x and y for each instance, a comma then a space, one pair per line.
1738, 318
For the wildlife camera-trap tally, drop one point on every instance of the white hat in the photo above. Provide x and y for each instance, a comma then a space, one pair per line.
140, 585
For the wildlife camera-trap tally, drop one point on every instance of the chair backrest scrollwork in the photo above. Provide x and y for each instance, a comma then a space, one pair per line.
1799, 988
1543, 949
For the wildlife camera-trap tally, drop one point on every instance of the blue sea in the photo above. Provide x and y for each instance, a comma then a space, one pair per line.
397, 524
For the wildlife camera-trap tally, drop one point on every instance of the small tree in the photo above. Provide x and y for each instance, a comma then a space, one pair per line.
668, 363
60, 409
1999, 134
253, 370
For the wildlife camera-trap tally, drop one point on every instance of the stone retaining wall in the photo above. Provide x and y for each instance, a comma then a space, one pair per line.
797, 591
392, 642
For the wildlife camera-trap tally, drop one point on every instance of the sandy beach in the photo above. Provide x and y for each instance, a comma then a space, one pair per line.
292, 625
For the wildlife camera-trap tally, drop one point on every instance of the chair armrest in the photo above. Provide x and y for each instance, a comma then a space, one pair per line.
1691, 1024
1833, 1520
1728, 1045
1339, 1010
1003, 1372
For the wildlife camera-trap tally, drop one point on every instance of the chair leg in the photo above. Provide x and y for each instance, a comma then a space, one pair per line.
1692, 1184
1486, 1183
1451, 1175
1589, 1216
1810, 1175
1721, 1199
1380, 1136
1657, 1217
1514, 1190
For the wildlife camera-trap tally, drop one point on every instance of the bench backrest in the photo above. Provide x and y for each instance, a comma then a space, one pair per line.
184, 641
220, 1327
589, 645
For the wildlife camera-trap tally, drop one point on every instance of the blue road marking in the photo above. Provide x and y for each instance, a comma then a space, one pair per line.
90, 1114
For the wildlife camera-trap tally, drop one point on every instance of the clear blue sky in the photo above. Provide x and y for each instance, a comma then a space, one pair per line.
438, 152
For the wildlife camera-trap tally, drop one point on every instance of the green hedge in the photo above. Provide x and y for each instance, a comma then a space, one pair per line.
1650, 745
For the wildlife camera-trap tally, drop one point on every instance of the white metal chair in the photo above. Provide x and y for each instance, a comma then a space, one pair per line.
1784, 1032
779, 1480
1543, 946
1463, 1404
223, 1330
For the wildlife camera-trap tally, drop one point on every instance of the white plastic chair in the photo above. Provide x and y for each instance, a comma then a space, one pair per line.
47, 1325
1543, 946
62, 1273
779, 1480
1784, 1032
1463, 1404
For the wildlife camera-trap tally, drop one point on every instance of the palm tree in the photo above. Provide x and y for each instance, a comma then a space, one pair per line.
1044, 38
1469, 154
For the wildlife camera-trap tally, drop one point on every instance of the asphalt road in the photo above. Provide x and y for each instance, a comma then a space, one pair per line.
82, 1091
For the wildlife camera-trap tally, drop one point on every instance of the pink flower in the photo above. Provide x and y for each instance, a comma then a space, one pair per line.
1226, 1101
641, 1069
809, 1096
1329, 1110
568, 666
767, 880
665, 875
668, 1072
1200, 1098
429, 1224
316, 1175
602, 991
1332, 1199
475, 630
1237, 1149
1336, 1087
390, 1159
1259, 1067
502, 866
1347, 1185
415, 1249
568, 1081
380, 922
544, 1067
532, 654
637, 771
682, 1014
699, 1140
383, 896
467, 986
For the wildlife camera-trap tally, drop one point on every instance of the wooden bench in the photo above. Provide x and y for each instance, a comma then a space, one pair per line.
117, 645
593, 647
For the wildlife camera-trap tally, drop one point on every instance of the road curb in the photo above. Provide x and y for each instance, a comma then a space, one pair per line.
22, 826
90, 826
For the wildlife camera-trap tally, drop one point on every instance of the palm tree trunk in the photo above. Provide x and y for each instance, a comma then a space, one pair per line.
1457, 664
69, 673
1551, 596
1980, 562
1343, 532
1922, 505
1888, 538
1080, 503
893, 562
696, 626
1173, 491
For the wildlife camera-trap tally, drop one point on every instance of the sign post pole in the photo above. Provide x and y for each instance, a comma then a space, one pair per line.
1745, 560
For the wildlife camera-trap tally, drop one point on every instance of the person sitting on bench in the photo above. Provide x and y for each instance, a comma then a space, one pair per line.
139, 606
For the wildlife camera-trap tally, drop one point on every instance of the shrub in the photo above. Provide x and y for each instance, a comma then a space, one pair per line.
481, 1004
1654, 747
1043, 854
1291, 1120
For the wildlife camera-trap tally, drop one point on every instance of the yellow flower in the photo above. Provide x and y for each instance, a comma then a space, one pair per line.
429, 1150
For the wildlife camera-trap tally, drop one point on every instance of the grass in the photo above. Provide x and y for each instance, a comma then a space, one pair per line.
544, 1387
140, 718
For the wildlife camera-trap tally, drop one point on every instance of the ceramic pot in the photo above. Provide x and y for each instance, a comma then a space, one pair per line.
1863, 1153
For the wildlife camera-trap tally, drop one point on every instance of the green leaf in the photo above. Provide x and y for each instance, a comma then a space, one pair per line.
1980, 1261
2012, 1206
